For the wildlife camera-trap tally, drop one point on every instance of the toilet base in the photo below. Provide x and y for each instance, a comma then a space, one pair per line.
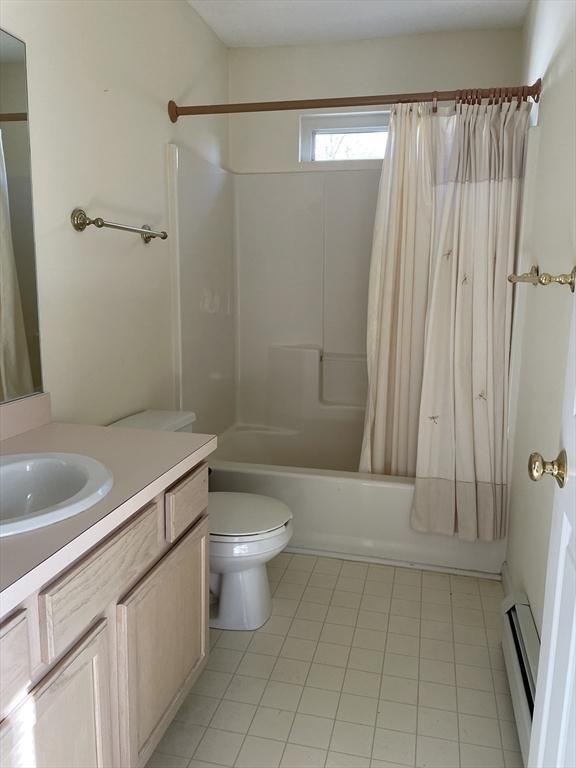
244, 600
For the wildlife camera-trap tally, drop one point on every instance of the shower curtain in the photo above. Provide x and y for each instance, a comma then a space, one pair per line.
473, 173
15, 373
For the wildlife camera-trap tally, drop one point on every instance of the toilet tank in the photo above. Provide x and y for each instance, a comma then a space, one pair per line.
166, 421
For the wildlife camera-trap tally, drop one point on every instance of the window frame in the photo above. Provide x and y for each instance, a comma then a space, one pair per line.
347, 122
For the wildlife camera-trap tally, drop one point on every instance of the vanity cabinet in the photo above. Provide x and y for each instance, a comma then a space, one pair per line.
96, 663
162, 626
64, 722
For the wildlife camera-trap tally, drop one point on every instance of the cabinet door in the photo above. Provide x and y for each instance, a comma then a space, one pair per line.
162, 625
64, 722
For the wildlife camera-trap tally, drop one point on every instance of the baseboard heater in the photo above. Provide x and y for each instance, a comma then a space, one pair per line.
521, 648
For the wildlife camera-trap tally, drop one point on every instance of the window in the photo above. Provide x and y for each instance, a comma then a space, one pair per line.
331, 137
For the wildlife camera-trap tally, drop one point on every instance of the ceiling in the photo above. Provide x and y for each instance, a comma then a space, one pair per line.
241, 23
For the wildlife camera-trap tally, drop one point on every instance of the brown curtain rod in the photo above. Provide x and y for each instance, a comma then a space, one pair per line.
13, 117
521, 91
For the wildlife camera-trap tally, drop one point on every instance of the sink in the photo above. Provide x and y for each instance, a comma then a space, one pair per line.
38, 489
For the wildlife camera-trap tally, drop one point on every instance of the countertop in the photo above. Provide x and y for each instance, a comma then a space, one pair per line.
143, 463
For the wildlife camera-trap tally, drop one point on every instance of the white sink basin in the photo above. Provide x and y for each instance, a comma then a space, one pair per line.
38, 489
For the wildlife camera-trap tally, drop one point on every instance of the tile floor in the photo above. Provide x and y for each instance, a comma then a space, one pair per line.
359, 665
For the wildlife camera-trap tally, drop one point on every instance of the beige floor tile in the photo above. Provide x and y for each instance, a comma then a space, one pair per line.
324, 580
437, 696
366, 660
435, 612
406, 592
436, 753
223, 660
271, 723
290, 671
405, 645
256, 665
289, 591
311, 612
326, 677
513, 759
212, 683
295, 577
380, 573
328, 565
318, 701
473, 702
482, 731
466, 601
378, 589
469, 635
197, 710
404, 625
180, 739
438, 650
394, 746
464, 585
436, 581
437, 723
361, 683
504, 706
409, 608
339, 615
401, 666
509, 736
281, 696
473, 756
311, 731
301, 650
234, 641
303, 562
397, 717
357, 709
352, 738
371, 639
277, 625
500, 681
354, 570
399, 689
233, 716
346, 599
347, 584
340, 760
331, 654
436, 630
159, 760
282, 606
259, 753
468, 617
437, 672
269, 645
337, 633
474, 677
220, 747
491, 588
375, 603
317, 595
245, 689
411, 577
296, 756
438, 596
305, 629
372, 620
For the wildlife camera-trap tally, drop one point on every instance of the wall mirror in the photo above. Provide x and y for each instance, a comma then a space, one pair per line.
20, 371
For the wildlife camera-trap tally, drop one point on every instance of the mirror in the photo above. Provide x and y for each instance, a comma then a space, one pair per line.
20, 372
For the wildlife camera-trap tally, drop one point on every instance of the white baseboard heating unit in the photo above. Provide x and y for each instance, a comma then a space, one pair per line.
521, 648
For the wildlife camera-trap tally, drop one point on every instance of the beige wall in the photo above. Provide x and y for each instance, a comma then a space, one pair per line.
269, 142
542, 314
100, 75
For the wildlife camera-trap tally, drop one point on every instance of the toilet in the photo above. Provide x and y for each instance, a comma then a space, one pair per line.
246, 531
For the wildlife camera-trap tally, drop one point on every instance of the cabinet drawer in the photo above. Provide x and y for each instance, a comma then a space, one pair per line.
69, 604
186, 501
14, 661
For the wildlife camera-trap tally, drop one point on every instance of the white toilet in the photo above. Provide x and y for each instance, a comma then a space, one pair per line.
246, 531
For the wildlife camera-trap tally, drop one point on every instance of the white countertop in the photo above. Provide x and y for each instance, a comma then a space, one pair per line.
143, 463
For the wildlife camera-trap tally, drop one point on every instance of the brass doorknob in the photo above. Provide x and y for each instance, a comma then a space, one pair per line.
537, 466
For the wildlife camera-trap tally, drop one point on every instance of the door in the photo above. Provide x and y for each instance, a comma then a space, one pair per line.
64, 722
162, 626
553, 739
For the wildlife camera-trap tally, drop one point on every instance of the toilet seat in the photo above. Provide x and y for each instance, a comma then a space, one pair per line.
237, 517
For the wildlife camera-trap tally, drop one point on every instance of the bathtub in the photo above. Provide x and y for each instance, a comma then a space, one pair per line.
338, 511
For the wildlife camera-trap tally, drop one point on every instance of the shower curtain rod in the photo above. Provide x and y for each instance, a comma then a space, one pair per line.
471, 94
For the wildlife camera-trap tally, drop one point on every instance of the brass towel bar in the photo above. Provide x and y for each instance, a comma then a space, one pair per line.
80, 220
535, 278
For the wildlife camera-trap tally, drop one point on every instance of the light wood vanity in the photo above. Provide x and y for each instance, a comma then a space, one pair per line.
95, 662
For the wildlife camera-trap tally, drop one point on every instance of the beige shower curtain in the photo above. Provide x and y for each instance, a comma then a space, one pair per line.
15, 374
475, 168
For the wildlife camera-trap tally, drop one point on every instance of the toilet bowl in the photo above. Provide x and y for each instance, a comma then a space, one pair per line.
246, 531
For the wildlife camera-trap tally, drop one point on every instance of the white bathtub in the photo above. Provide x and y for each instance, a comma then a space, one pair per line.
340, 512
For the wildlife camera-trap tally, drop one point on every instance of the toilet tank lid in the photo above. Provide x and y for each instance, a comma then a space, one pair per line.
167, 421
245, 514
